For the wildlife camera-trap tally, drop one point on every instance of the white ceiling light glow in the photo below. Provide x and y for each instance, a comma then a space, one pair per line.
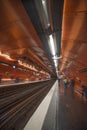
56, 63
45, 14
51, 44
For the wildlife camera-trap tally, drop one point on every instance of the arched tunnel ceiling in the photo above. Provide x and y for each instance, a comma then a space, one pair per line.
23, 37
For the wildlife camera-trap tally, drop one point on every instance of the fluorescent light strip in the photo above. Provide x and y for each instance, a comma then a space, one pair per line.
56, 63
46, 13
51, 44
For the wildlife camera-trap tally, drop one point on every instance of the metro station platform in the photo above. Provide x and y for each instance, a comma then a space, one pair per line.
59, 111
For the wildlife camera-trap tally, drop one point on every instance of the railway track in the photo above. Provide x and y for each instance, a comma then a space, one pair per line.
17, 103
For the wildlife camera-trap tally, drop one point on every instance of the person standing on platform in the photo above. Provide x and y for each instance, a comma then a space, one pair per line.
65, 83
59, 79
84, 90
72, 85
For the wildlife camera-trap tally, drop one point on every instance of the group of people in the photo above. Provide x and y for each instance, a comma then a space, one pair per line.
71, 83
